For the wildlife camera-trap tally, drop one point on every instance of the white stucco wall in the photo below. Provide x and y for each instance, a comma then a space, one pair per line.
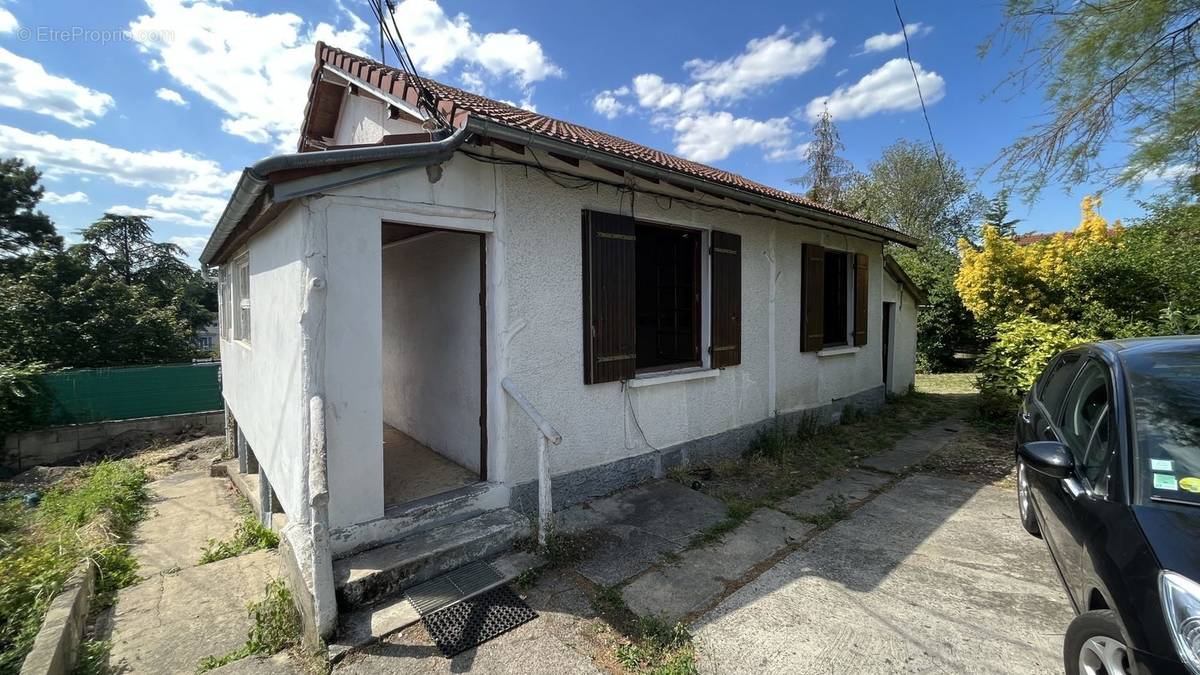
904, 338
534, 318
365, 120
544, 313
462, 199
431, 329
261, 380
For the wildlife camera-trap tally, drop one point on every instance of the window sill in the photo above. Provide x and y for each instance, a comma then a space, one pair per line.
666, 377
838, 351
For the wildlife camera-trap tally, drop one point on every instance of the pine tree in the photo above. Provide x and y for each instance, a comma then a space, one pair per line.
996, 215
829, 174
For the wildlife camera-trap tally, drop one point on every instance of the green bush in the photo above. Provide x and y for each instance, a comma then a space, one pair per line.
1016, 357
24, 400
88, 515
250, 535
275, 626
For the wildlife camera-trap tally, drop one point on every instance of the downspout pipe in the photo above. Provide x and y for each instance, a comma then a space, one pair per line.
253, 181
504, 132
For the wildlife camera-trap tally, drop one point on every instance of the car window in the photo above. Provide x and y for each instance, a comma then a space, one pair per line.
1165, 389
1086, 423
1054, 382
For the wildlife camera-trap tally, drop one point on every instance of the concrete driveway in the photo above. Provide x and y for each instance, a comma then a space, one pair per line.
934, 575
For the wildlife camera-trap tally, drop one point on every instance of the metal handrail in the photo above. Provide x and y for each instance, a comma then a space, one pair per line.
548, 434
543, 426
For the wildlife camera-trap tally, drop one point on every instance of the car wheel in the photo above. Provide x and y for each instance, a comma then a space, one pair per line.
1024, 503
1095, 645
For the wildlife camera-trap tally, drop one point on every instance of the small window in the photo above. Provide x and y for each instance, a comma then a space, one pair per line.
224, 302
667, 297
1086, 421
1054, 382
838, 292
241, 299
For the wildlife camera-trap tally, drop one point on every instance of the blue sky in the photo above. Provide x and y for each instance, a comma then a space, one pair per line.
154, 106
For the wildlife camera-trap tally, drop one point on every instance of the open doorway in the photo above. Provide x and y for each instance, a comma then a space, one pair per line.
434, 375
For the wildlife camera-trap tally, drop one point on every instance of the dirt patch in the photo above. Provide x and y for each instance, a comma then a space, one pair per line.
979, 454
190, 455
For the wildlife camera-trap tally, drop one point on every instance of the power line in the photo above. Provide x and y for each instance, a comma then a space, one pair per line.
403, 58
920, 96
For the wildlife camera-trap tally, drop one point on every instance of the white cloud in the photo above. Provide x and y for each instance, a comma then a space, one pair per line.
708, 137
1174, 172
255, 68
193, 245
157, 214
885, 41
8, 22
171, 96
166, 169
437, 41
784, 153
49, 197
25, 85
763, 62
888, 87
608, 103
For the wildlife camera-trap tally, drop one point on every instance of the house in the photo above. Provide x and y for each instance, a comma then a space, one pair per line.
432, 324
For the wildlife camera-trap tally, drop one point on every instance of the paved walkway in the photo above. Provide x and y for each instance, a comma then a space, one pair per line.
182, 612
925, 574
935, 575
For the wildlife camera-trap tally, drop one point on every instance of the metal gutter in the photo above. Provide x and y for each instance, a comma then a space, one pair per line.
537, 141
253, 181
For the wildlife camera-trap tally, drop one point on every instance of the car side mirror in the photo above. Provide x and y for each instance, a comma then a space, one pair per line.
1049, 458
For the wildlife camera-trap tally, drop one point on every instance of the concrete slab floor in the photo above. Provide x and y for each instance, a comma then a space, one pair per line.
185, 511
677, 590
853, 486
169, 623
412, 471
935, 575
633, 529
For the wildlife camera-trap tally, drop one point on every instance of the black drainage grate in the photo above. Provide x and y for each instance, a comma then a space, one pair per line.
476, 620
470, 579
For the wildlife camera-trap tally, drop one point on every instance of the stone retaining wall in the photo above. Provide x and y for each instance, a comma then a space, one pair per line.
60, 444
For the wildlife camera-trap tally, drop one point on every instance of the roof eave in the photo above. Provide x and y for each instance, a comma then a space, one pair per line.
256, 180
492, 129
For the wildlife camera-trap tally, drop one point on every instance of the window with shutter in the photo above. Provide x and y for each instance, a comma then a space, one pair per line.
812, 328
609, 272
726, 280
861, 288
667, 300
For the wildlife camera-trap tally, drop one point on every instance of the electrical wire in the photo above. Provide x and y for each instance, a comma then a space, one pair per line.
920, 96
425, 99
636, 423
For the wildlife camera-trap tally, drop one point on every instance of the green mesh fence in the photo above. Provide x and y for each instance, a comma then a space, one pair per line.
100, 394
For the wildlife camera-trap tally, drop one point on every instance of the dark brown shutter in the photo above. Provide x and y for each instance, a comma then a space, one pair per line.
609, 324
812, 323
726, 299
862, 290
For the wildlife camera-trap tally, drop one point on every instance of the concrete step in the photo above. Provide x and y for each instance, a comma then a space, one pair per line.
365, 625
378, 573
423, 514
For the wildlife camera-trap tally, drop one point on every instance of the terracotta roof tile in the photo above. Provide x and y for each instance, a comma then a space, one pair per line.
397, 83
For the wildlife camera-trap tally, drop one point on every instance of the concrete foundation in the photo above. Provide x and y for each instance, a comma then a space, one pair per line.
579, 486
